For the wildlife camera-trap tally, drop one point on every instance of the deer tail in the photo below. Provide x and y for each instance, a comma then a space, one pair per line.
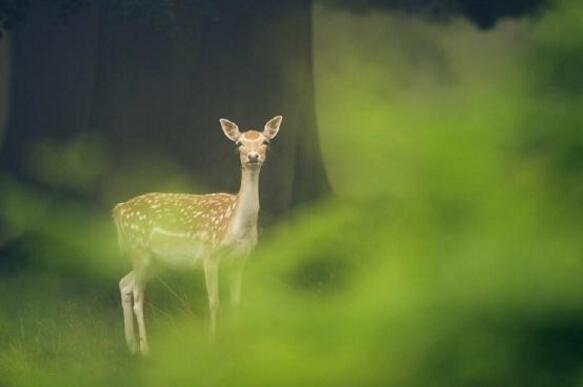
117, 221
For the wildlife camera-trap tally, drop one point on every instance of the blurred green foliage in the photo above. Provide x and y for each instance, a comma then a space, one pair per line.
552, 134
450, 256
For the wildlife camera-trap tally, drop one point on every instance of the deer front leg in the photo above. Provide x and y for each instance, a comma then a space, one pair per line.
211, 274
235, 285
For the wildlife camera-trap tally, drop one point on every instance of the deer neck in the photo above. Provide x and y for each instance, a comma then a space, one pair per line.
247, 211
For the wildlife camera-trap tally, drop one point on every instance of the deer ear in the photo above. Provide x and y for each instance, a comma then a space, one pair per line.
231, 129
272, 127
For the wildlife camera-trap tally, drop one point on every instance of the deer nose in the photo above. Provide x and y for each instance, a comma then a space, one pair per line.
253, 157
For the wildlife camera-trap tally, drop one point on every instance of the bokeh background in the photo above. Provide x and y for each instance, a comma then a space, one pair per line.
423, 204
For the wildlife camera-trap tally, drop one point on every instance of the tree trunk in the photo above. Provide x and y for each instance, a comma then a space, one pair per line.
152, 95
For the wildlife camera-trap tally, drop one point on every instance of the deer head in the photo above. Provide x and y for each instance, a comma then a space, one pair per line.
252, 144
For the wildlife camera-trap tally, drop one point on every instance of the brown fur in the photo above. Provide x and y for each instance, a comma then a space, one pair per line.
251, 134
204, 218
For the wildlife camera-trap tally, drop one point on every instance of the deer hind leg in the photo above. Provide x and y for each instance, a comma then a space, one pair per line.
138, 293
126, 288
139, 312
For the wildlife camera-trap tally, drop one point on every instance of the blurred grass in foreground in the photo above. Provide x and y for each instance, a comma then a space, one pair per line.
451, 255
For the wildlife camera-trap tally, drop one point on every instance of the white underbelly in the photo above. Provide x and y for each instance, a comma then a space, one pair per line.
175, 249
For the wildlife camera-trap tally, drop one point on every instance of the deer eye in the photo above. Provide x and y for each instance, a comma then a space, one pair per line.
266, 143
238, 144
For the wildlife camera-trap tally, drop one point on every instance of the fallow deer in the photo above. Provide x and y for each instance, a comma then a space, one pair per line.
185, 231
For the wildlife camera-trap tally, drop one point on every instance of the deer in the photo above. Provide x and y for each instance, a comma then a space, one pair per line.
185, 231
